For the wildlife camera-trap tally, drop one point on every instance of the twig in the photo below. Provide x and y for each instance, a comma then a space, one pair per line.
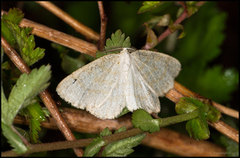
60, 37
226, 130
44, 95
79, 27
181, 91
182, 17
171, 141
101, 41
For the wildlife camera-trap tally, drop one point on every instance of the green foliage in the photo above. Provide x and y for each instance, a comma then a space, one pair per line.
123, 147
15, 16
117, 41
35, 111
198, 127
200, 46
19, 37
119, 148
13, 139
145, 122
94, 147
149, 5
69, 64
26, 88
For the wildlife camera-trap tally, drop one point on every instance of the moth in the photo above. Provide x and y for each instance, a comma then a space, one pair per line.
110, 83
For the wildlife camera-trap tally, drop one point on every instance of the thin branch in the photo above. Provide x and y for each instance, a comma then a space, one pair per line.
171, 141
180, 91
44, 95
60, 37
79, 27
101, 41
182, 17
226, 130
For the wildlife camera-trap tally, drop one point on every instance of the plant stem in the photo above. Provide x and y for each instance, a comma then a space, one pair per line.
179, 118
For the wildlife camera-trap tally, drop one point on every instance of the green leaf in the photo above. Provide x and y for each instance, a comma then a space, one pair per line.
144, 121
213, 115
123, 128
105, 132
27, 87
198, 129
38, 116
149, 5
94, 147
25, 44
123, 147
117, 41
14, 15
13, 139
69, 64
186, 105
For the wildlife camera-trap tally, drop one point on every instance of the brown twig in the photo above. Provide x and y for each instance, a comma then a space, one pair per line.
226, 130
180, 91
182, 17
59, 37
171, 141
79, 27
44, 95
101, 41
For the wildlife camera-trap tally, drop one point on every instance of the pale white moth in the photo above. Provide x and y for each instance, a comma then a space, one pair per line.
110, 83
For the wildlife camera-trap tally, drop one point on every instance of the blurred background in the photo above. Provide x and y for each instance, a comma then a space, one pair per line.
209, 52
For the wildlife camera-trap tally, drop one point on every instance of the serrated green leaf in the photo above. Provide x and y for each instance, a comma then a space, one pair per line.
37, 116
14, 15
123, 128
117, 41
34, 129
149, 5
105, 132
123, 147
144, 121
13, 139
4, 107
27, 87
25, 44
94, 147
